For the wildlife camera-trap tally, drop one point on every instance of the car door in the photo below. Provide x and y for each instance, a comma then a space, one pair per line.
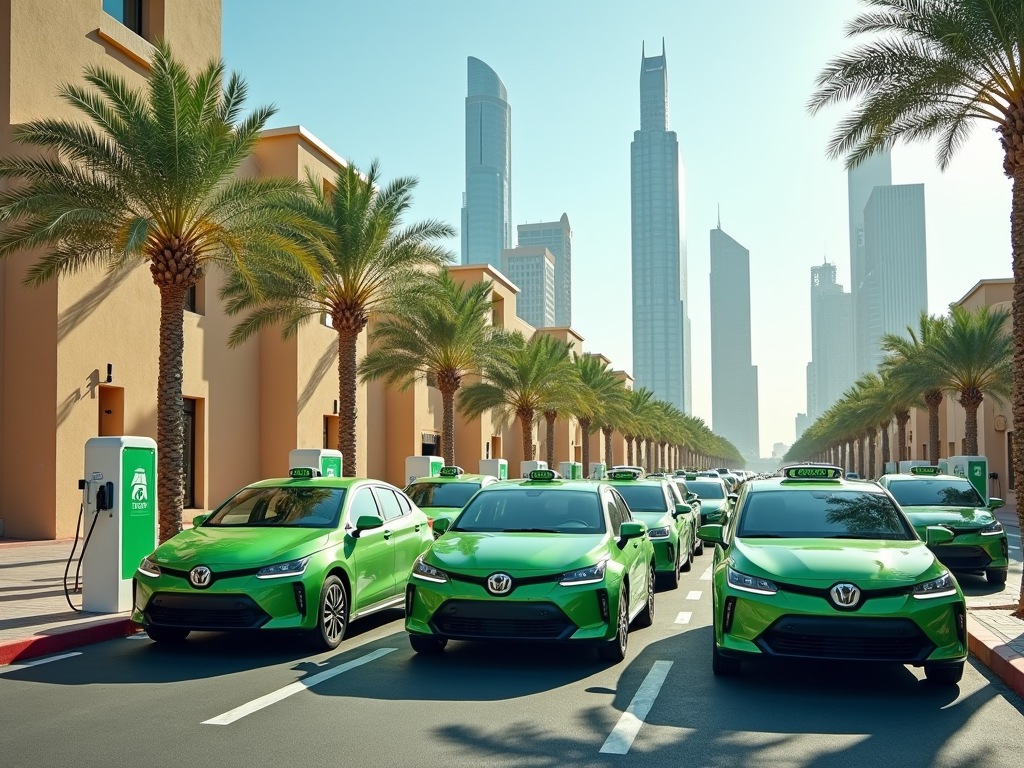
403, 528
372, 553
636, 565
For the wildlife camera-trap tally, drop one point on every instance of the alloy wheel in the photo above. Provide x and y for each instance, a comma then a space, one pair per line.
333, 617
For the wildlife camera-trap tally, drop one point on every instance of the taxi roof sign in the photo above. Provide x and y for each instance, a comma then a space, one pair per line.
932, 471
303, 473
451, 471
691, 476
623, 474
813, 473
542, 474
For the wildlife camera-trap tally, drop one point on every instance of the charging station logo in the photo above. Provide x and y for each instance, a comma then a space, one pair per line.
140, 488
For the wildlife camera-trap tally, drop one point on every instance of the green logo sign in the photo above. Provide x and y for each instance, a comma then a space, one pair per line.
449, 471
813, 473
924, 470
542, 474
138, 507
622, 475
302, 473
330, 466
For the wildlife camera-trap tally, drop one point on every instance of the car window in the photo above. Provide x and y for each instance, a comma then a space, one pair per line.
935, 493
362, 504
674, 493
532, 510
388, 503
614, 514
706, 489
822, 514
624, 511
427, 494
291, 507
643, 497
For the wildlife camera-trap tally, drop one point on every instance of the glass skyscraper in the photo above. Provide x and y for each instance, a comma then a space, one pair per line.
661, 349
556, 236
487, 203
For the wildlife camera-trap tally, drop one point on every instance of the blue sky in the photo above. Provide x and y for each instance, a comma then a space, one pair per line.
387, 79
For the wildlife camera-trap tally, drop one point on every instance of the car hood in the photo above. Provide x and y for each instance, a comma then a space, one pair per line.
435, 512
239, 546
654, 519
711, 505
825, 561
953, 517
466, 552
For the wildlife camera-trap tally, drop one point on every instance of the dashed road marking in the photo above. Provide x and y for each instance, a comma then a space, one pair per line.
621, 738
289, 690
683, 618
37, 662
694, 595
706, 576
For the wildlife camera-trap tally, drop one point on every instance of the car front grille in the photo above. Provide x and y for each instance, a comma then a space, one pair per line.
487, 620
962, 556
210, 612
849, 639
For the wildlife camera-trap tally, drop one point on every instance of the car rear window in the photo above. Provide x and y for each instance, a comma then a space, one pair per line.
706, 490
935, 493
425, 495
280, 508
532, 509
821, 514
643, 498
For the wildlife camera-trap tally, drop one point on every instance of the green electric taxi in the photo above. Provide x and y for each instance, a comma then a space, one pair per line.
539, 559
928, 498
669, 520
813, 566
446, 495
303, 553
715, 501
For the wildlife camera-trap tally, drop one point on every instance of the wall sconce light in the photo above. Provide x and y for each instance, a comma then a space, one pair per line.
335, 407
110, 372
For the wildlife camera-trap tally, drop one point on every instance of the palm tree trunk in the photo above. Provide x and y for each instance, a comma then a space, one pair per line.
448, 426
585, 432
347, 399
629, 450
648, 447
608, 432
885, 444
526, 422
550, 417
860, 457
170, 415
971, 400
1017, 247
934, 400
871, 454
902, 417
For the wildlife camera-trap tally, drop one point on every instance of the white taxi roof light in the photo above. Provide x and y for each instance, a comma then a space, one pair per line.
813, 473
303, 473
452, 471
926, 471
624, 474
543, 475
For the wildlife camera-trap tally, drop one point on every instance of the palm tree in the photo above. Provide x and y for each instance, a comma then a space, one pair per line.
604, 399
366, 261
149, 176
442, 330
976, 354
518, 380
641, 412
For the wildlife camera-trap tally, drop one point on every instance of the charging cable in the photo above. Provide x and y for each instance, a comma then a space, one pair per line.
85, 545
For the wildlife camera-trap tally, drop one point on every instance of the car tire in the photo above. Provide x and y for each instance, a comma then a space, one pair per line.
646, 617
699, 549
944, 674
688, 559
996, 576
723, 666
168, 635
428, 645
332, 616
615, 649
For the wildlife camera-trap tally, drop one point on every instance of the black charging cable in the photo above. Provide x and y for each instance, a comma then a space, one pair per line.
71, 557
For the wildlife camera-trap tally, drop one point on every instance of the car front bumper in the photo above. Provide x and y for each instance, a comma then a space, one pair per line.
974, 552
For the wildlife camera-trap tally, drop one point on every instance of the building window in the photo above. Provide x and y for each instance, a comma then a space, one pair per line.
189, 498
128, 12
331, 432
195, 298
432, 380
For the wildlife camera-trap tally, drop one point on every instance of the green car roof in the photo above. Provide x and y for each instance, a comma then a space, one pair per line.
316, 482
459, 479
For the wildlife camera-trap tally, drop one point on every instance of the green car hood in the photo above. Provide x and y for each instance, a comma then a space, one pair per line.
488, 552
953, 517
239, 546
711, 505
435, 512
824, 561
654, 519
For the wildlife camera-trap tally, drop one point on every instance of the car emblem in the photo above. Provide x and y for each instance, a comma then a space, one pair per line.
499, 583
200, 577
845, 595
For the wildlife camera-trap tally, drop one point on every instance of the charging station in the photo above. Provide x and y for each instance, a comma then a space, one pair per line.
119, 498
422, 466
570, 470
598, 470
327, 460
495, 467
526, 467
974, 468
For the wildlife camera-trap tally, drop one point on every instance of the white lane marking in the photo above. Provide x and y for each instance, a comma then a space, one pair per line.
1016, 549
695, 595
621, 738
37, 662
706, 576
683, 618
138, 636
289, 690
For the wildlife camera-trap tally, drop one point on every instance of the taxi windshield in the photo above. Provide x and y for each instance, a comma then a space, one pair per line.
427, 494
821, 514
935, 493
705, 489
535, 510
280, 508
643, 498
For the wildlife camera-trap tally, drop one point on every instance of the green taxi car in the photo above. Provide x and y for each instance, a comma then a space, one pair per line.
979, 541
301, 553
670, 521
813, 566
539, 559
445, 495
715, 499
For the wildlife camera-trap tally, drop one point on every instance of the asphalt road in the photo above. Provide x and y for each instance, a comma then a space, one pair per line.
373, 702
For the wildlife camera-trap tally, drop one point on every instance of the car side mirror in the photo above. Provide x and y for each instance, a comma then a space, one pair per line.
936, 534
711, 534
440, 525
733, 498
367, 523
632, 530
691, 496
682, 509
200, 519
995, 503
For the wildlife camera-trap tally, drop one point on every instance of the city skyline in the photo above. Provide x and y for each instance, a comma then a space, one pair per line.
556, 236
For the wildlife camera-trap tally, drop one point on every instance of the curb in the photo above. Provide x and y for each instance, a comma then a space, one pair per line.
18, 543
63, 640
1005, 663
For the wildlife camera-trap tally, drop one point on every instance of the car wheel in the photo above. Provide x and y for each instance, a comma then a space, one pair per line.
996, 576
167, 635
723, 666
646, 616
332, 617
428, 645
615, 649
699, 549
944, 674
688, 558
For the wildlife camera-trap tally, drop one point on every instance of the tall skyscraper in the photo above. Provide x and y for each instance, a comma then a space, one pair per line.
660, 341
556, 236
734, 411
832, 369
487, 202
532, 269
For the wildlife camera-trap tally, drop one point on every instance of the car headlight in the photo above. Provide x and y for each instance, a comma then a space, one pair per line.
992, 529
148, 568
422, 570
279, 571
590, 575
753, 584
659, 533
944, 586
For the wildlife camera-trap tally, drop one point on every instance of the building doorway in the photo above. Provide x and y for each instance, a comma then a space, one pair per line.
431, 444
111, 416
189, 497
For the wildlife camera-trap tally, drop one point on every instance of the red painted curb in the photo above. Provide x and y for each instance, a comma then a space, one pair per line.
62, 640
1005, 663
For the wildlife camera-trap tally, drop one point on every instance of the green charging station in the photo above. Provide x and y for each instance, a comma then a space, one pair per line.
327, 460
974, 468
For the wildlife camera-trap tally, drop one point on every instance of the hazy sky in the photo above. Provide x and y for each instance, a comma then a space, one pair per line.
387, 79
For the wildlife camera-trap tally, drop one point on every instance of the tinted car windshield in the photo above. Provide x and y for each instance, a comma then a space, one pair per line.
441, 494
706, 490
643, 498
281, 507
821, 514
935, 493
533, 509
